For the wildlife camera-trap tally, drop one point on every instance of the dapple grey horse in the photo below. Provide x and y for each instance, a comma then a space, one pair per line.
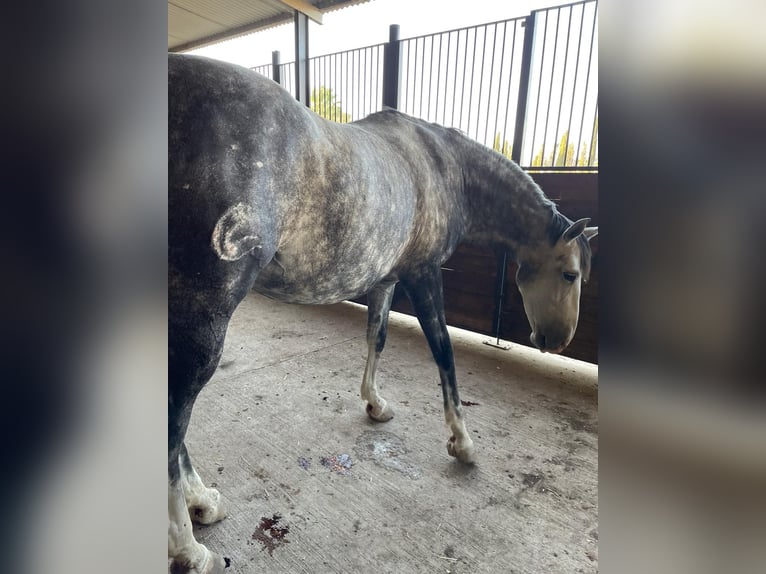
264, 194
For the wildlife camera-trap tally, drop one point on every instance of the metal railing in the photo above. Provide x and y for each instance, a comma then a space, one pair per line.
525, 87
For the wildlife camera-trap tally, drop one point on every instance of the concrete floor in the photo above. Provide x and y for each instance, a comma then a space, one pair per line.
312, 485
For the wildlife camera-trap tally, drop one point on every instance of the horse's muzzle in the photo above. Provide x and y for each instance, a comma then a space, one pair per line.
548, 344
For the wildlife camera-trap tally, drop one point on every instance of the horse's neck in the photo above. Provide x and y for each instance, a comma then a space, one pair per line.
506, 205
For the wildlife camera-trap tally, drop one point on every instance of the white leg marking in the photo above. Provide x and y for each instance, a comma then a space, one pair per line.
205, 504
377, 408
460, 444
189, 556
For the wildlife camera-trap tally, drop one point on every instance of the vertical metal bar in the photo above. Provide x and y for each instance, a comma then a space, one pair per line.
422, 77
499, 86
587, 75
275, 71
574, 85
454, 84
561, 99
438, 77
491, 76
462, 92
550, 89
473, 65
391, 68
345, 88
481, 78
539, 85
323, 84
526, 66
302, 58
446, 77
407, 89
510, 83
335, 86
376, 60
500, 275
430, 77
365, 102
357, 91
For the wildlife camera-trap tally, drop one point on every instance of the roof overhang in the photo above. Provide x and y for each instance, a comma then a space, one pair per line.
196, 23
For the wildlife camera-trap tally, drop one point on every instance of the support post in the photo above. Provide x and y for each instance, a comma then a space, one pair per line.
302, 92
526, 68
501, 278
392, 68
276, 72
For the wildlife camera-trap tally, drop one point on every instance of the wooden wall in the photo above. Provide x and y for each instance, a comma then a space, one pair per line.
470, 275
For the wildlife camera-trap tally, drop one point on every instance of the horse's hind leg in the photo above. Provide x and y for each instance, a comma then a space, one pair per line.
195, 343
378, 306
198, 316
425, 292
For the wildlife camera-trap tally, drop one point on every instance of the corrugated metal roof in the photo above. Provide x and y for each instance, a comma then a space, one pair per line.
196, 23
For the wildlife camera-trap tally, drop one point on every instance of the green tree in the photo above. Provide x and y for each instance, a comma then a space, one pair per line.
325, 103
582, 159
505, 148
566, 151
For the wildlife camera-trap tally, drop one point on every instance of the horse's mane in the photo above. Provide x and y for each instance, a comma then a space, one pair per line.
559, 224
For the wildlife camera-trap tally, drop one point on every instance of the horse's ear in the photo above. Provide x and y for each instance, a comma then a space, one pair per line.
575, 230
590, 232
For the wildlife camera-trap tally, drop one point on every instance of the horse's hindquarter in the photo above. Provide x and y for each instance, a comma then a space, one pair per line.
331, 209
348, 220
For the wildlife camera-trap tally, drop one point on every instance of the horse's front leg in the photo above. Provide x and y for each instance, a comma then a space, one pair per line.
378, 306
425, 291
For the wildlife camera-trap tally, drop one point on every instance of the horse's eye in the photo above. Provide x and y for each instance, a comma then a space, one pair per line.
571, 277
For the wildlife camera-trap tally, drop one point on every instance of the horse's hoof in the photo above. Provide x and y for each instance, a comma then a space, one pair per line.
465, 452
208, 508
213, 564
381, 415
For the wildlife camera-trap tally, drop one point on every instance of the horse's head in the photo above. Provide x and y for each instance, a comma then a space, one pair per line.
550, 276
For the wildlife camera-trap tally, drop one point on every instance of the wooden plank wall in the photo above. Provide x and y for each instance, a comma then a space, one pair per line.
469, 277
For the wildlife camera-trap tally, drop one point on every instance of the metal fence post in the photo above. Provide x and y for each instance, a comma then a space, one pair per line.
526, 68
391, 68
302, 91
276, 73
501, 279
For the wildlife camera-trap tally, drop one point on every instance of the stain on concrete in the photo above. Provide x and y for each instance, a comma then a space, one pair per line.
304, 462
286, 334
531, 479
468, 403
576, 420
387, 450
270, 533
340, 463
